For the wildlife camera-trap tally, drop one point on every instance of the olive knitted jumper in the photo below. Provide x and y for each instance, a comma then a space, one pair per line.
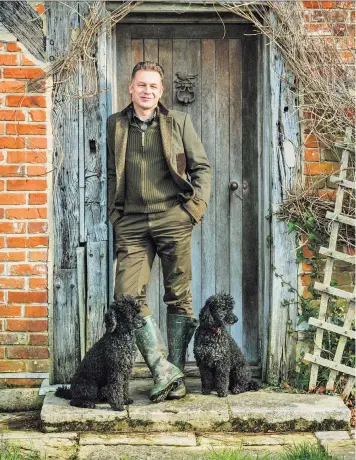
149, 184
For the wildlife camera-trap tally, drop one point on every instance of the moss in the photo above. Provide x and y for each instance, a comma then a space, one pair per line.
183, 426
263, 425
120, 425
138, 423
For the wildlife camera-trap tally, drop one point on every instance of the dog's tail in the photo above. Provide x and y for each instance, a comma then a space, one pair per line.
63, 392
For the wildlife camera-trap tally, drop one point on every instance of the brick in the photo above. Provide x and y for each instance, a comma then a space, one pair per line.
12, 198
26, 101
12, 366
2, 185
311, 155
320, 168
22, 382
342, 29
343, 279
2, 242
12, 87
13, 47
12, 142
8, 311
27, 184
12, 227
23, 72
38, 339
12, 283
348, 57
36, 310
24, 128
10, 338
37, 115
311, 141
30, 325
2, 213
40, 8
26, 61
38, 255
27, 242
329, 195
26, 213
12, 115
307, 253
37, 198
2, 269
2, 131
8, 171
20, 156
36, 171
12, 256
17, 352
8, 59
318, 4
28, 269
37, 227
37, 143
38, 283
38, 366
306, 267
320, 29
2, 352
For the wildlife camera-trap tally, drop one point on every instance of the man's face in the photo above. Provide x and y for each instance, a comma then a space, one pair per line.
146, 89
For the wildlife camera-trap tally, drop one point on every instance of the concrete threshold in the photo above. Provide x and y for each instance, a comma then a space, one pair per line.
263, 411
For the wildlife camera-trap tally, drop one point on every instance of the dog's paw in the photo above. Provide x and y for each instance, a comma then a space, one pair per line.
236, 390
222, 394
118, 408
128, 401
253, 386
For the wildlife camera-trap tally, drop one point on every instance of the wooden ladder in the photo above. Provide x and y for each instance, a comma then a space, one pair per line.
327, 290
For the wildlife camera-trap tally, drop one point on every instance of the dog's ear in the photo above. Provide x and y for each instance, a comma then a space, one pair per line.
205, 318
110, 320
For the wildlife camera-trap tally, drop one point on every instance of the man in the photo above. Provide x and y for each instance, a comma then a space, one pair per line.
158, 188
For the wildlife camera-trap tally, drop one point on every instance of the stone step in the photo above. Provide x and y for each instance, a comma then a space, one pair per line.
261, 411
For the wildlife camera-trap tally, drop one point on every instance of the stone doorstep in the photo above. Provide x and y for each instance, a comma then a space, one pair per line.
338, 443
261, 411
150, 445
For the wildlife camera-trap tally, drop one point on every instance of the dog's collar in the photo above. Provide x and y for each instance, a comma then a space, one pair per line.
215, 330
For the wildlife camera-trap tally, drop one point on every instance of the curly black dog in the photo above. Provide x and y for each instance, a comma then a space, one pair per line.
105, 370
221, 363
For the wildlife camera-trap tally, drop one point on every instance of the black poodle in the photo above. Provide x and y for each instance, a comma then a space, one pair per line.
105, 370
221, 364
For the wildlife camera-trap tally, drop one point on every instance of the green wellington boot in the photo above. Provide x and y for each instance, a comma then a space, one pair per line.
165, 375
180, 330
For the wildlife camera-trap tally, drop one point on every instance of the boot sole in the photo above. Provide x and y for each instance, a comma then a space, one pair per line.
162, 395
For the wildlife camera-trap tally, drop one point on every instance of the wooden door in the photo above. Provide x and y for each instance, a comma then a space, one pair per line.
224, 113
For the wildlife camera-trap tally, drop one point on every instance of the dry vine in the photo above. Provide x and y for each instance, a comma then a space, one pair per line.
326, 79
305, 208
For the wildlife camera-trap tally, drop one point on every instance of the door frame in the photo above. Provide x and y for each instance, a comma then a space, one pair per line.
207, 14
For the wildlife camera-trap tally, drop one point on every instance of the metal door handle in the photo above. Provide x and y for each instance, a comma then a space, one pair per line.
233, 185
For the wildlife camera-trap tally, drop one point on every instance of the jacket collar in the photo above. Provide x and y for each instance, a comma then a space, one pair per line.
161, 108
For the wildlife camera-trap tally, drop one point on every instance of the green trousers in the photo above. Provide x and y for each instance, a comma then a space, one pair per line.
138, 237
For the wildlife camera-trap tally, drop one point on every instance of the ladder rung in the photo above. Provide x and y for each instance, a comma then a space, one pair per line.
341, 218
343, 182
332, 328
334, 291
337, 255
330, 364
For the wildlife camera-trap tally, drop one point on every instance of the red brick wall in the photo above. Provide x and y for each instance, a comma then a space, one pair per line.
24, 129
330, 19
